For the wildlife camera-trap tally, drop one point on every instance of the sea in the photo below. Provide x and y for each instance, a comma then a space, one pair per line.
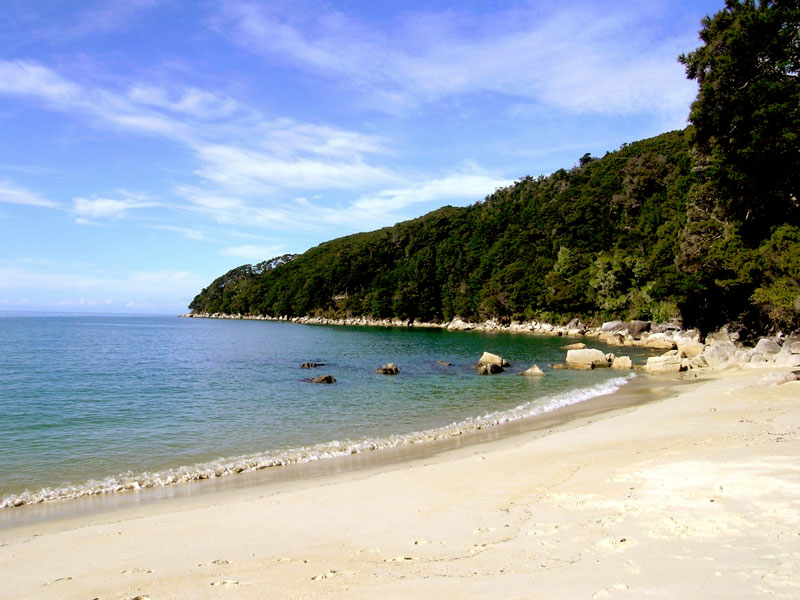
100, 405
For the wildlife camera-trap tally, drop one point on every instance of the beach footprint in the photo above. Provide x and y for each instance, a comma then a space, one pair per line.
327, 575
226, 583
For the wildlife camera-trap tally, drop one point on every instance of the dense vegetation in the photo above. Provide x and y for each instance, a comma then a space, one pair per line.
699, 225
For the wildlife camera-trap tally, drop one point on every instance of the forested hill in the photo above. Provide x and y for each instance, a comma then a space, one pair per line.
597, 240
700, 225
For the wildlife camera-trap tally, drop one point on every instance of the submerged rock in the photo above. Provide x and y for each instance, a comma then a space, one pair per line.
324, 379
576, 346
311, 365
388, 369
534, 371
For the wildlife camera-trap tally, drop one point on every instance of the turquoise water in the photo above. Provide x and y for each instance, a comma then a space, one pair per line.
93, 404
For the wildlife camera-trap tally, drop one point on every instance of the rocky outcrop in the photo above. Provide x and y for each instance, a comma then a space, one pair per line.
588, 357
388, 369
534, 371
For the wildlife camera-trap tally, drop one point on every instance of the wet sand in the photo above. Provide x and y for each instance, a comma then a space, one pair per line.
696, 494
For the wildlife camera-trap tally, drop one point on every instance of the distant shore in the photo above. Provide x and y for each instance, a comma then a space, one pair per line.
703, 504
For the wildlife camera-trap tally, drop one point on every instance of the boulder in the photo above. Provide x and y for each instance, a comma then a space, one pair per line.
658, 342
534, 371
622, 363
637, 328
614, 326
489, 369
787, 360
690, 347
578, 346
767, 347
487, 358
324, 379
388, 369
587, 356
718, 355
658, 365
458, 324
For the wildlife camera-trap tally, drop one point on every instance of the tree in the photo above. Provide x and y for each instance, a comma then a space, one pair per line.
746, 118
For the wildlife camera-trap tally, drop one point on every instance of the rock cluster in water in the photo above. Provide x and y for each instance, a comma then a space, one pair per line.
682, 350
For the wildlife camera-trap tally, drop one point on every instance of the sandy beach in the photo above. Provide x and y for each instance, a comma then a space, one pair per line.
693, 496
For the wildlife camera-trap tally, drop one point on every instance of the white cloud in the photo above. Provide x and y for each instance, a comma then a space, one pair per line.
185, 232
27, 78
580, 57
253, 253
191, 101
13, 194
86, 209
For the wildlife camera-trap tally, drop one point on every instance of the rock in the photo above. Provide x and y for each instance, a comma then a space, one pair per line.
311, 365
614, 326
388, 369
578, 346
458, 324
324, 379
690, 348
658, 365
444, 363
487, 358
558, 367
489, 369
719, 354
577, 359
637, 328
767, 347
622, 363
534, 371
613, 339
658, 342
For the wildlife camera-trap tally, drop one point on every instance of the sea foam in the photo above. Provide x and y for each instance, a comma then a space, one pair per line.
129, 481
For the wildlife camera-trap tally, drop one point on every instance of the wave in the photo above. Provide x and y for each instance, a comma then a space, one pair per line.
255, 462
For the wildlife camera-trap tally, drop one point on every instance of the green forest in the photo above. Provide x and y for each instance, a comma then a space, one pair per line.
699, 226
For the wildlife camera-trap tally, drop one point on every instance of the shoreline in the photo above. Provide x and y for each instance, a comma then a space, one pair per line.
693, 495
117, 491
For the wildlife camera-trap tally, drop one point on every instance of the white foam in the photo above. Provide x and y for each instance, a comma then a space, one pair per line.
131, 482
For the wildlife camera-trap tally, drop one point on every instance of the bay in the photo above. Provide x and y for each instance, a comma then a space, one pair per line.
90, 402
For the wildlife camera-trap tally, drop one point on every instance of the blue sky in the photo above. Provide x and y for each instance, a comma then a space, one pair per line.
148, 146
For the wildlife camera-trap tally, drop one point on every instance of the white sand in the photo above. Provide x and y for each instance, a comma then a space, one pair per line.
696, 496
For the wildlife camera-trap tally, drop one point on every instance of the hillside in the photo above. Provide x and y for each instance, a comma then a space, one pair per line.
699, 225
597, 240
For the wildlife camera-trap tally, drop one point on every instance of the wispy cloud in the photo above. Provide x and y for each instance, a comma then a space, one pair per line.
14, 194
185, 232
88, 209
576, 56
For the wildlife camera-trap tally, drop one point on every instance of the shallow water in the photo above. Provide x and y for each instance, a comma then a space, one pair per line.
95, 403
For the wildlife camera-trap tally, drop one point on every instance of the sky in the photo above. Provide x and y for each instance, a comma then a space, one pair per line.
148, 146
